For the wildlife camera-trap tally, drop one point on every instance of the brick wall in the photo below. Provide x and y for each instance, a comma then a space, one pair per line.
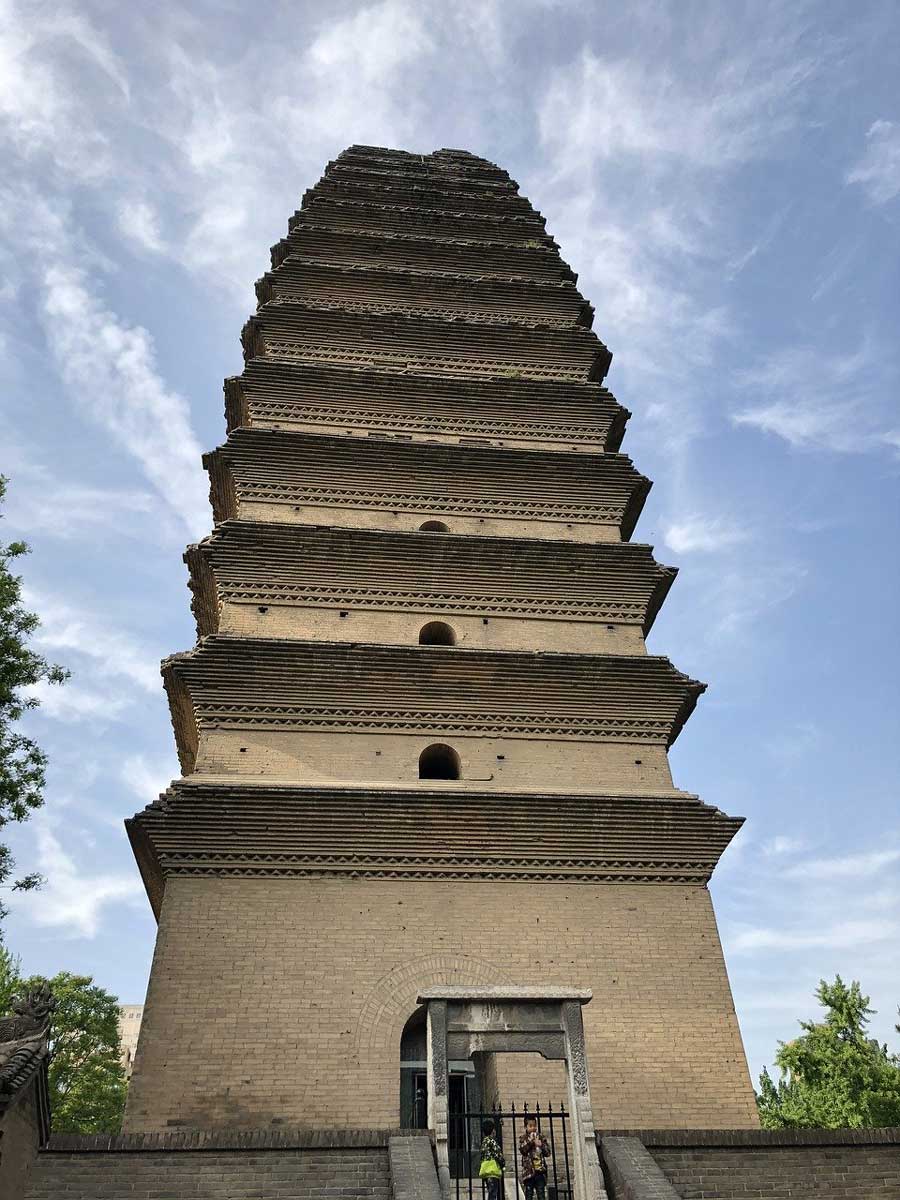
531, 1079
20, 1136
494, 633
227, 1169
855, 1164
283, 1000
311, 757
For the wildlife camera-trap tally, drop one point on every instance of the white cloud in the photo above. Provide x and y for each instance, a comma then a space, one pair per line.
112, 654
139, 222
833, 936
40, 502
790, 921
783, 844
111, 372
878, 170
73, 702
703, 534
849, 866
373, 43
726, 112
739, 595
74, 898
45, 108
146, 778
817, 400
638, 162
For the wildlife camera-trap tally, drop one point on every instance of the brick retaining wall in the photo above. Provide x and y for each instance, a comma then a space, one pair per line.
267, 1165
841, 1164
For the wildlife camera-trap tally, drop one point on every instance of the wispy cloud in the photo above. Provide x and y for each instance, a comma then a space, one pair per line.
139, 222
40, 502
840, 935
878, 170
848, 866
791, 918
74, 899
65, 629
147, 778
43, 111
725, 112
817, 400
737, 595
110, 369
75, 702
639, 164
703, 534
783, 844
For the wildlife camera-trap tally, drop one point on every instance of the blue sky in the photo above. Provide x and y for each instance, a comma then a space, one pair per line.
725, 178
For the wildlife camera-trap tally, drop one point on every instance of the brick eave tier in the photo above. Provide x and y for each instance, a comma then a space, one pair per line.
267, 563
279, 391
455, 164
435, 254
287, 328
293, 469
540, 302
435, 194
353, 212
255, 683
372, 173
236, 829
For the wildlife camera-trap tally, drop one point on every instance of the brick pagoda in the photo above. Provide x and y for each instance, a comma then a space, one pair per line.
422, 741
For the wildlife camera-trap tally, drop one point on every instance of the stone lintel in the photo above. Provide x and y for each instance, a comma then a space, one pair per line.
519, 993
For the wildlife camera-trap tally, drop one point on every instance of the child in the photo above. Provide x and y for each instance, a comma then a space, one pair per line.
492, 1161
533, 1151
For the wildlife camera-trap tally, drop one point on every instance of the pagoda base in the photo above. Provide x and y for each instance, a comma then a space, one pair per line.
283, 1000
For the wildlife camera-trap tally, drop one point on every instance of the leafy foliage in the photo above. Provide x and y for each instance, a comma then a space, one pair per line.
10, 978
833, 1076
87, 1079
22, 762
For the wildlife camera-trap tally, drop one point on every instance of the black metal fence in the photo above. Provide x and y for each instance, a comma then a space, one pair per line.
464, 1140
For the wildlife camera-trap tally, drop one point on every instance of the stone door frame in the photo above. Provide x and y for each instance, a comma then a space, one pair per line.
476, 1022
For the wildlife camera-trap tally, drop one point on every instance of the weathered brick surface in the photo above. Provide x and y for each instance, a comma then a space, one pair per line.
350, 1173
20, 1135
861, 1164
413, 1171
284, 1000
631, 1172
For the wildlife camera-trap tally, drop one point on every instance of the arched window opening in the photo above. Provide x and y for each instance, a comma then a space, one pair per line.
439, 762
434, 527
437, 633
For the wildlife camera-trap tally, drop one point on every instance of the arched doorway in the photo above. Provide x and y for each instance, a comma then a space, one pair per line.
414, 1072
463, 1094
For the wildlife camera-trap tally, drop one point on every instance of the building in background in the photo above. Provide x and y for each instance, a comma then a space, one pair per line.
129, 1026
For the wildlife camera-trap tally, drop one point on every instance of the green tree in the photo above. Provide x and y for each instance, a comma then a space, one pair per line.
10, 977
833, 1076
22, 762
87, 1079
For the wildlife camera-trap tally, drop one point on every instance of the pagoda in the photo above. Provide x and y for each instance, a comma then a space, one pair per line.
423, 744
